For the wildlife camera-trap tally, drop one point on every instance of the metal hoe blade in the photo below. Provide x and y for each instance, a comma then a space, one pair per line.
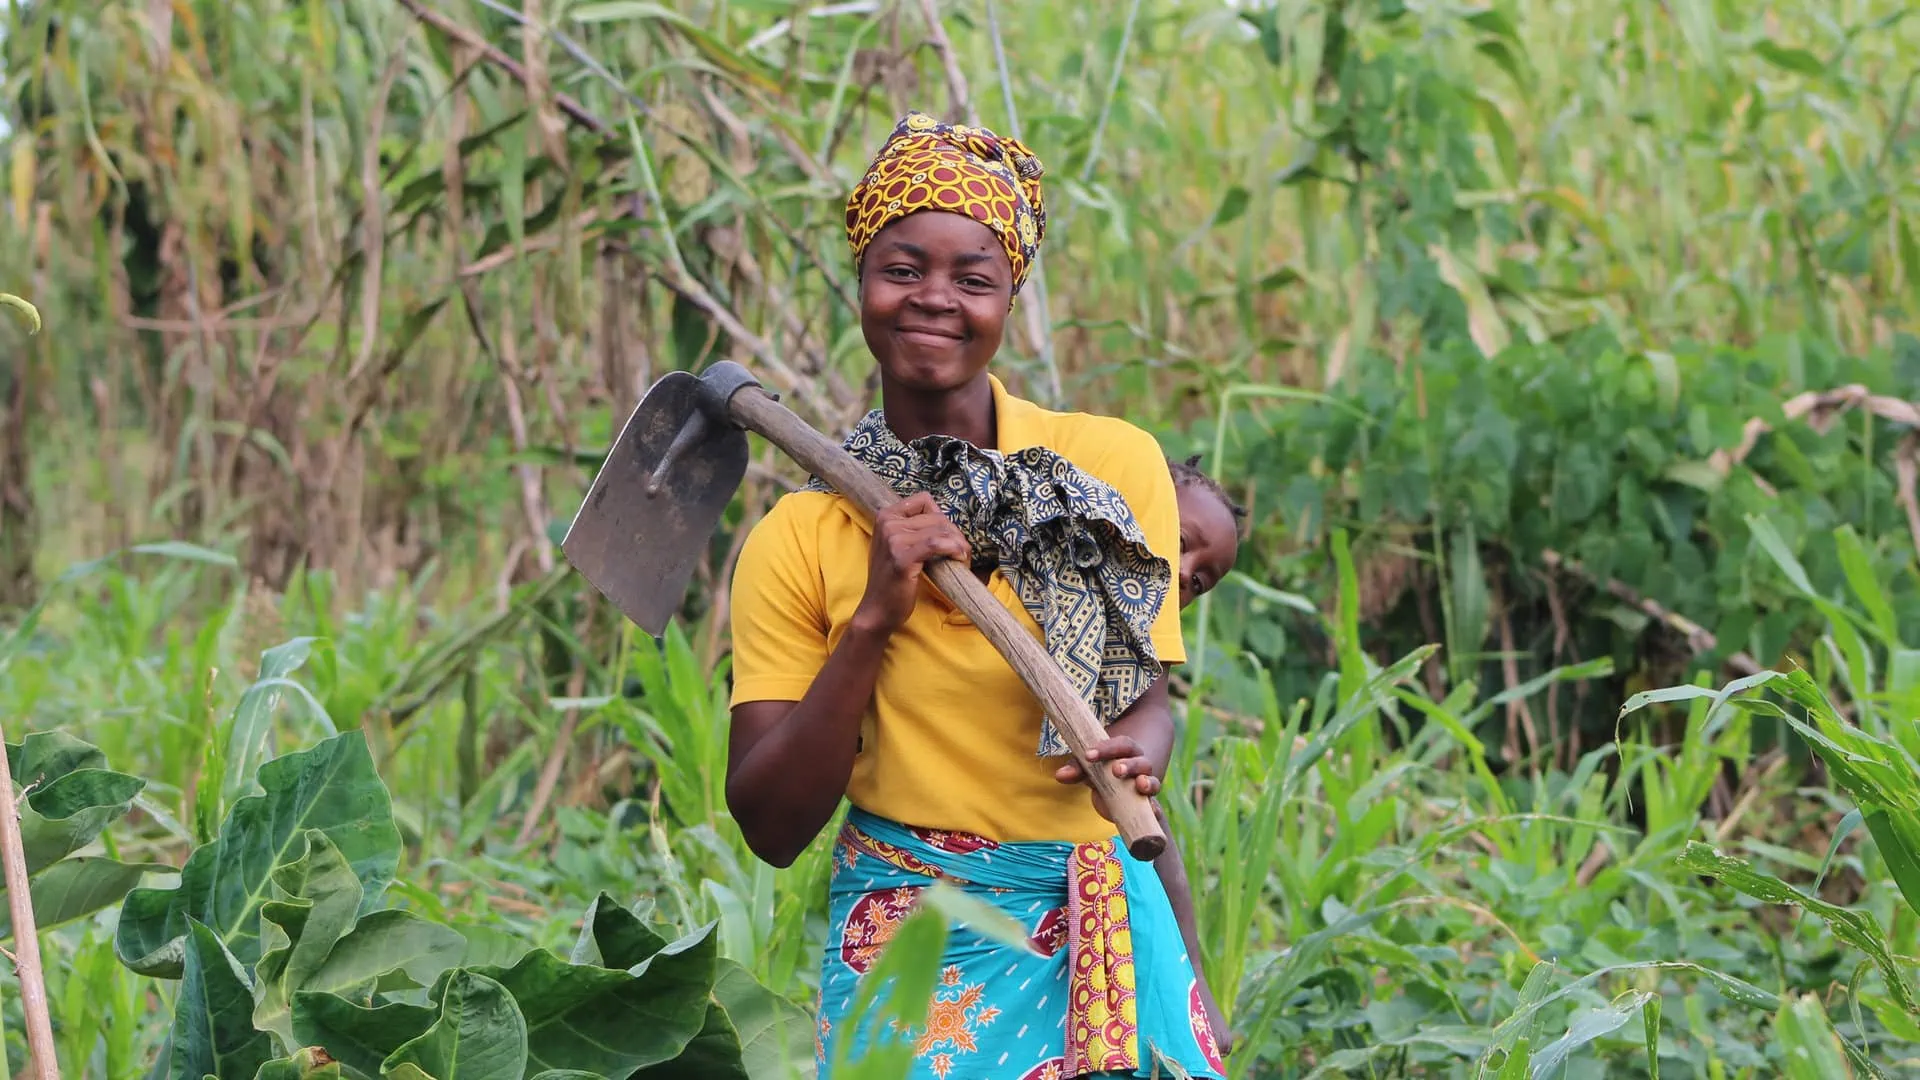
656, 502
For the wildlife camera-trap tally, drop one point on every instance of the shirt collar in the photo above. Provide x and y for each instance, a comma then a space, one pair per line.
1019, 423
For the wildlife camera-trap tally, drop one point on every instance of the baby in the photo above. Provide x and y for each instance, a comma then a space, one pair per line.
1209, 544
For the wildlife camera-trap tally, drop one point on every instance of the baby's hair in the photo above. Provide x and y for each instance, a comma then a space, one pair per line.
1188, 472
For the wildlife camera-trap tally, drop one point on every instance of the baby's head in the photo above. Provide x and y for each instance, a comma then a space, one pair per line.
1209, 529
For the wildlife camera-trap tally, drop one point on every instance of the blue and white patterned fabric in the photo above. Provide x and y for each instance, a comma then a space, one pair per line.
1066, 540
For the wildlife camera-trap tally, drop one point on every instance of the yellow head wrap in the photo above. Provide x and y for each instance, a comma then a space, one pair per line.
929, 165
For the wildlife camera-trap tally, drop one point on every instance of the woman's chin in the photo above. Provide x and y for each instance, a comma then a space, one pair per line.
930, 371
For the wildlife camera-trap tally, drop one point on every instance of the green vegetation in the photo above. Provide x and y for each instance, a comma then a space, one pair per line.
1560, 722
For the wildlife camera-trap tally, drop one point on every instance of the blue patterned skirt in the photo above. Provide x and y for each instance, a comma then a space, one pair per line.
1105, 987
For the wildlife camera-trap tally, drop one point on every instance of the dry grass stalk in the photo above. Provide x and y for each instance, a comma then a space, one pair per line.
26, 936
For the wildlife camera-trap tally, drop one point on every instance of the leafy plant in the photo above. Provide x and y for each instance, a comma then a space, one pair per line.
71, 797
292, 964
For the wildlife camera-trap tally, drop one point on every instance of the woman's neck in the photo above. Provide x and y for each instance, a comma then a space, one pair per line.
963, 413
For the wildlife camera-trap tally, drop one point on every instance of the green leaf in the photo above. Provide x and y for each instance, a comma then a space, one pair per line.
314, 943
895, 996
1232, 205
213, 1032
63, 814
331, 787
1650, 1024
1586, 1027
1799, 61
480, 1034
185, 552
614, 937
1811, 1047
714, 1053
77, 887
489, 946
1853, 927
750, 1033
1909, 249
1518, 1061
48, 755
1857, 565
316, 900
252, 721
965, 909
610, 1021
1897, 836
1505, 146
359, 1037
306, 1064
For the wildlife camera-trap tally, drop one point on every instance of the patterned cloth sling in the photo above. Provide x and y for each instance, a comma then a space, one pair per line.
1067, 542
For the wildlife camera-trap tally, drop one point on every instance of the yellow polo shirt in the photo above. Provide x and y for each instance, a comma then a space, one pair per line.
948, 740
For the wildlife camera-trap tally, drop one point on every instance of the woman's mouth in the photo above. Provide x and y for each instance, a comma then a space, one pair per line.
928, 336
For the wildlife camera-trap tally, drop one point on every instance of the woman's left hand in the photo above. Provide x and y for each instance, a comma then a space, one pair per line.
1127, 759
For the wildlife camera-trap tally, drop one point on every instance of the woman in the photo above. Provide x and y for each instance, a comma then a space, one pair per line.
854, 677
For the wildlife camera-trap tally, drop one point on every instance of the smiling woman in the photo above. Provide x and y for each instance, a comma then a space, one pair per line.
855, 677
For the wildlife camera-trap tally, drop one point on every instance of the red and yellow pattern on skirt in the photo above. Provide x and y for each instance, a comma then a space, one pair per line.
1103, 988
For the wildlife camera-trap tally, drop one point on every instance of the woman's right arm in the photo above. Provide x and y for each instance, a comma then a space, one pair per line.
789, 762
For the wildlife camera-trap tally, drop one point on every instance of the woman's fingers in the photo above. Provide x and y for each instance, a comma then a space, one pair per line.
1115, 748
914, 540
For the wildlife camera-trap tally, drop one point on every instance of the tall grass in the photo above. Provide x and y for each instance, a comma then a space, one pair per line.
1560, 351
1373, 895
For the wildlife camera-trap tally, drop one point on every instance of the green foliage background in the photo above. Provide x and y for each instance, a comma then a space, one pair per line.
1574, 339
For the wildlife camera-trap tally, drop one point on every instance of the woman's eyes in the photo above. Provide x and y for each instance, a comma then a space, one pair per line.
971, 281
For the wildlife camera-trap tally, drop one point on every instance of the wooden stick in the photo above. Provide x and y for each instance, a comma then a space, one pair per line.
1699, 638
26, 938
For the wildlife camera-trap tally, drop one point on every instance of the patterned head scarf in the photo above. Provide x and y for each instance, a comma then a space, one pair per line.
929, 165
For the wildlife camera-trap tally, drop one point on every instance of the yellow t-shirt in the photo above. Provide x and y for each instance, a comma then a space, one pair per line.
948, 741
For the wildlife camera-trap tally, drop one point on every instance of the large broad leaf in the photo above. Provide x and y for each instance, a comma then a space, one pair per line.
479, 1035
70, 798
70, 795
359, 1037
77, 887
331, 787
66, 814
613, 936
213, 1032
751, 1033
314, 943
610, 1021
46, 755
316, 900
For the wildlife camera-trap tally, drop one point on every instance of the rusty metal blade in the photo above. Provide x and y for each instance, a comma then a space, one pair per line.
637, 544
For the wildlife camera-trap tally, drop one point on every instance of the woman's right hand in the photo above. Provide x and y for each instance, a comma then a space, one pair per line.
906, 536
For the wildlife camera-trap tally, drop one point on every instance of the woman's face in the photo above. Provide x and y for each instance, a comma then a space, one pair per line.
934, 290
1209, 541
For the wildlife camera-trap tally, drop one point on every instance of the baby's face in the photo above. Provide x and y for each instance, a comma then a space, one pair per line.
1209, 541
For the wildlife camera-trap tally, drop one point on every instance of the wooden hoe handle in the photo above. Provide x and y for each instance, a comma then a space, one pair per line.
1132, 812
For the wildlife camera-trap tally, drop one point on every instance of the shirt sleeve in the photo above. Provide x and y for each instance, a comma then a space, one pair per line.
1137, 469
778, 611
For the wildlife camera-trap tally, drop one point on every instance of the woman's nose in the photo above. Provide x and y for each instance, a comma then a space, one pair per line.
934, 294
